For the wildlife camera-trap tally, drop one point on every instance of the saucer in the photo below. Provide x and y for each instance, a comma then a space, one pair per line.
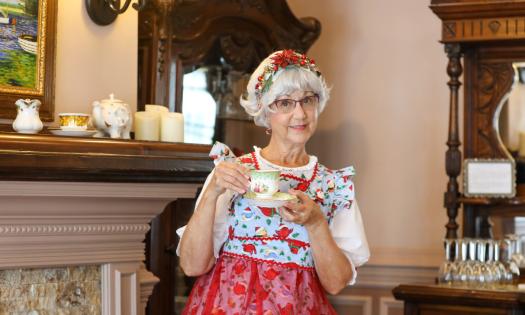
72, 132
277, 200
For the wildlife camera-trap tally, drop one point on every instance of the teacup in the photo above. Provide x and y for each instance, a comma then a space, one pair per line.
264, 183
73, 121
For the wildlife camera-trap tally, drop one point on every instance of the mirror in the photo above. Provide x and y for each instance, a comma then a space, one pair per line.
512, 115
511, 122
212, 112
199, 108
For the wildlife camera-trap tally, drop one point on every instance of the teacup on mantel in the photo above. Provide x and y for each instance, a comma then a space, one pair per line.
73, 121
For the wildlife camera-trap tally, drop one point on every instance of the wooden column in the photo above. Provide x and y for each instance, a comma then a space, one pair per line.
453, 154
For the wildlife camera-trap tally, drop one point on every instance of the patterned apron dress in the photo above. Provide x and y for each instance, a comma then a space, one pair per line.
266, 266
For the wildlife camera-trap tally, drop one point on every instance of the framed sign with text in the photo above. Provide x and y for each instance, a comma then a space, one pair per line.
494, 178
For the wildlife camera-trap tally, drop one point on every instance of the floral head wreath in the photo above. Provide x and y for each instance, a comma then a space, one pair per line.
280, 61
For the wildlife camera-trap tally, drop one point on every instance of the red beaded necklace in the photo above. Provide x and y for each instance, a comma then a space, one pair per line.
303, 183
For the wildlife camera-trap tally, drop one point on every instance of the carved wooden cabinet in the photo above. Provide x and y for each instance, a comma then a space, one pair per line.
177, 37
485, 45
489, 37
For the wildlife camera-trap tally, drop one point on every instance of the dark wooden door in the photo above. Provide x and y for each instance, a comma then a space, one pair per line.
161, 243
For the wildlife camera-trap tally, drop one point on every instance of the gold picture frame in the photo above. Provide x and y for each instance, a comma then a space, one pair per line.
27, 54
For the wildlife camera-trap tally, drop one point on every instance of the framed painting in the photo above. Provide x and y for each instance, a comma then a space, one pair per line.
27, 54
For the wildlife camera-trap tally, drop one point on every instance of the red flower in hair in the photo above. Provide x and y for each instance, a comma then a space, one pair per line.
285, 58
281, 60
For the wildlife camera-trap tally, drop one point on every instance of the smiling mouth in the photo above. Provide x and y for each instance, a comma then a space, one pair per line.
298, 127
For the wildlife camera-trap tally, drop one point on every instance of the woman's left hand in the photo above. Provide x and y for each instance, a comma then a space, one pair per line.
305, 212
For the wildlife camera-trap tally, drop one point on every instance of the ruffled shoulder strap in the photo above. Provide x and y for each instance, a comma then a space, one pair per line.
344, 174
221, 152
344, 191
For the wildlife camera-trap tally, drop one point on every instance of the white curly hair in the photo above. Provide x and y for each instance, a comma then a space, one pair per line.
285, 82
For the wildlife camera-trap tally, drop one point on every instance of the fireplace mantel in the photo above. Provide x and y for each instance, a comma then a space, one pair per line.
49, 157
72, 202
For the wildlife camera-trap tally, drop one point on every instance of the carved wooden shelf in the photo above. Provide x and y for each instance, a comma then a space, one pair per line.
49, 157
515, 201
475, 20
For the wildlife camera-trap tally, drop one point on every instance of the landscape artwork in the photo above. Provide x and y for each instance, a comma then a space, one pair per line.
20, 63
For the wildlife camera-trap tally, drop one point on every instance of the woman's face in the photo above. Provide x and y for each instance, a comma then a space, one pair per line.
295, 127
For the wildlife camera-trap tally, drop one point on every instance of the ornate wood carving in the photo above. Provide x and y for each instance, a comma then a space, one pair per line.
453, 155
461, 9
494, 81
238, 32
470, 20
483, 29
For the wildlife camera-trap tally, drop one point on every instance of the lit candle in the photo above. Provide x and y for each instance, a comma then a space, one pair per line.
172, 127
147, 126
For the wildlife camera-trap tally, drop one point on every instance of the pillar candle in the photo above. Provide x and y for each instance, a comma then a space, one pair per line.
156, 108
172, 127
147, 126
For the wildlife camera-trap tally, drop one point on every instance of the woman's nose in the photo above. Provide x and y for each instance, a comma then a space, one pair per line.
298, 111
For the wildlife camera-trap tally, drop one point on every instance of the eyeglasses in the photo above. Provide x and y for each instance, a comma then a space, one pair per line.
286, 106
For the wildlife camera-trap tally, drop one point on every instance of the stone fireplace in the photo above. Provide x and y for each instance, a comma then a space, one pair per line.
78, 246
79, 215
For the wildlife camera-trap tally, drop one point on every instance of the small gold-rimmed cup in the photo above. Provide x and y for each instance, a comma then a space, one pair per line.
264, 183
73, 121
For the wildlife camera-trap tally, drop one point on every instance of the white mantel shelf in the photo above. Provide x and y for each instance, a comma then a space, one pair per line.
48, 223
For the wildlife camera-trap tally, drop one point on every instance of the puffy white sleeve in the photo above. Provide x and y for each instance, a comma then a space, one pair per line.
349, 234
346, 223
219, 152
220, 226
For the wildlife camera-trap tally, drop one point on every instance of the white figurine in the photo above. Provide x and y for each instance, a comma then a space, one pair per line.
27, 119
111, 117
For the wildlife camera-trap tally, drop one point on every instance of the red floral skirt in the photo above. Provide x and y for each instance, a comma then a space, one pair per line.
241, 286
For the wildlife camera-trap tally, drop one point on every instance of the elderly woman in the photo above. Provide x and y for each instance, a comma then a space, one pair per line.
262, 260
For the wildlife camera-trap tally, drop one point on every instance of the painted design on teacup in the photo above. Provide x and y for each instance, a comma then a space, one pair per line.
73, 121
264, 183
261, 188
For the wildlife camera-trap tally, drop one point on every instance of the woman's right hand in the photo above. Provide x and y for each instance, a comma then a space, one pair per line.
230, 175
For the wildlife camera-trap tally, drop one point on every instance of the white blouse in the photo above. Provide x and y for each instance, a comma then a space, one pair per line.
346, 226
